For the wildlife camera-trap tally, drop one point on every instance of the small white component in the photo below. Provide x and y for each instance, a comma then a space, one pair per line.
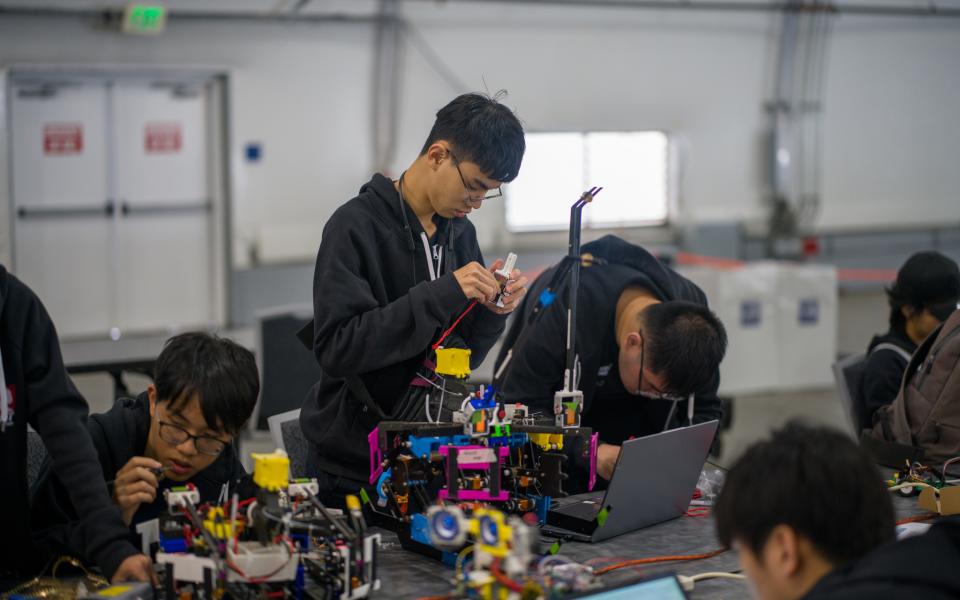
299, 489
179, 497
503, 275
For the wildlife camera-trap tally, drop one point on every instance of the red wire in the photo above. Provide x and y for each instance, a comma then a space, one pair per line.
657, 559
454, 326
503, 579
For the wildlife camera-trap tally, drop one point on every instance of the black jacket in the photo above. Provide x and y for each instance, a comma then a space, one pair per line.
883, 372
925, 566
45, 398
118, 435
536, 367
376, 313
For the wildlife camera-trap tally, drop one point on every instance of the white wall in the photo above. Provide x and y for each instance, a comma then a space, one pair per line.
303, 90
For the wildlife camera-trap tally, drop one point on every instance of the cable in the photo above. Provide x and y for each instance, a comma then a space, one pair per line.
657, 559
917, 518
446, 333
913, 484
502, 579
688, 582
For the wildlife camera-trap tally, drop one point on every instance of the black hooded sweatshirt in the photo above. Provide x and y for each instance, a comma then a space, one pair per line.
536, 366
883, 372
376, 313
118, 435
40, 393
926, 566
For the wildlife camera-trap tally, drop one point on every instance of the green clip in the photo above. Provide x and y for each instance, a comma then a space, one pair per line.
602, 516
364, 497
554, 548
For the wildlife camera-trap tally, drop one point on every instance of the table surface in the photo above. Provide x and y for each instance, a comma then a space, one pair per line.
406, 575
101, 354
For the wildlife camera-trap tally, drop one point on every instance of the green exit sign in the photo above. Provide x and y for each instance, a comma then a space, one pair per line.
144, 18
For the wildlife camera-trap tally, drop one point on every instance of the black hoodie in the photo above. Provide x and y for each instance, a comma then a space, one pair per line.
926, 566
883, 372
536, 366
44, 397
118, 435
376, 313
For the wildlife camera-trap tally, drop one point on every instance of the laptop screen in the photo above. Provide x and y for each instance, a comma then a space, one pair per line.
660, 588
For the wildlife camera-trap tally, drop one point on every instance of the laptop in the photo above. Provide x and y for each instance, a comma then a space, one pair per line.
653, 481
660, 587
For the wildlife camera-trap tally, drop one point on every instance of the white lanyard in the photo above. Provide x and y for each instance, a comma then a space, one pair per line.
4, 409
434, 272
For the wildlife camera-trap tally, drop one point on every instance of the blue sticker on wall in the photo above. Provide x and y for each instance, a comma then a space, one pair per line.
750, 314
808, 312
253, 152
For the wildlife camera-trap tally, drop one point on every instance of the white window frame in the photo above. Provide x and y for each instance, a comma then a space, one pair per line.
669, 189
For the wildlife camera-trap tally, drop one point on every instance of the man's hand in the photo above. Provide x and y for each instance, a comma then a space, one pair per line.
607, 455
135, 568
476, 282
135, 484
513, 292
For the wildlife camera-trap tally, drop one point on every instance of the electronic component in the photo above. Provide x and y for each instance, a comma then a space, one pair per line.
502, 275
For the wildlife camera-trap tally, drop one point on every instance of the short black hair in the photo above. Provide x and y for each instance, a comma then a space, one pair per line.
683, 343
221, 372
927, 280
483, 131
816, 481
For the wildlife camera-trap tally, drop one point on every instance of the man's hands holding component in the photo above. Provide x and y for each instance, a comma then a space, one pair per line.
135, 484
479, 283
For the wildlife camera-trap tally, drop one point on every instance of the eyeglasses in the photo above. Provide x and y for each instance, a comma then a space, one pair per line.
176, 435
490, 195
656, 394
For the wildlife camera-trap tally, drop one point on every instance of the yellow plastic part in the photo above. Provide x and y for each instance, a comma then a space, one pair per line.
218, 524
500, 548
547, 441
353, 503
454, 362
271, 471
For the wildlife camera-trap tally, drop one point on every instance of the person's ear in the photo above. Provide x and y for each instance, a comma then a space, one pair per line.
634, 339
436, 154
152, 395
781, 553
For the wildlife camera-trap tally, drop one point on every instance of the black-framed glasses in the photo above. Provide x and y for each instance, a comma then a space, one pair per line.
656, 394
489, 195
176, 435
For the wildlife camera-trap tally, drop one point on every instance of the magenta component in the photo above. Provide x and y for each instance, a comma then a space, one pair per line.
376, 457
481, 495
593, 461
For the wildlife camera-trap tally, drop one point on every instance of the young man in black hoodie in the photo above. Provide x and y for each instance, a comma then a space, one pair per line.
649, 347
181, 430
811, 519
35, 390
396, 266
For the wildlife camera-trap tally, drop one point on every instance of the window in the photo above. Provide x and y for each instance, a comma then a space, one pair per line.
632, 167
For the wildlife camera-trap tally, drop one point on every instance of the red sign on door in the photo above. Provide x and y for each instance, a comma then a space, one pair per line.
162, 138
62, 138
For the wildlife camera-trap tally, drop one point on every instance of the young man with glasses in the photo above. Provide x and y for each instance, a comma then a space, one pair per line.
397, 265
649, 348
181, 430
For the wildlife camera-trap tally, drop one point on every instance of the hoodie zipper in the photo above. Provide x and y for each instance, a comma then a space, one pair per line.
932, 356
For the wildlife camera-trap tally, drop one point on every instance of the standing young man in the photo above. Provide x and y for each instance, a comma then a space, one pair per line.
35, 390
397, 264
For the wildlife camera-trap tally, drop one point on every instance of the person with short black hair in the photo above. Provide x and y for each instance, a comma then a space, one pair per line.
396, 266
649, 347
181, 430
800, 505
926, 291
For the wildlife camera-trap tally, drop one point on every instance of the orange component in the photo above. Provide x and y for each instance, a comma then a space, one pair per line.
402, 502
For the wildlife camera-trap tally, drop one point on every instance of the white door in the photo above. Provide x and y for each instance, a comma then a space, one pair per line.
115, 217
166, 210
63, 232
